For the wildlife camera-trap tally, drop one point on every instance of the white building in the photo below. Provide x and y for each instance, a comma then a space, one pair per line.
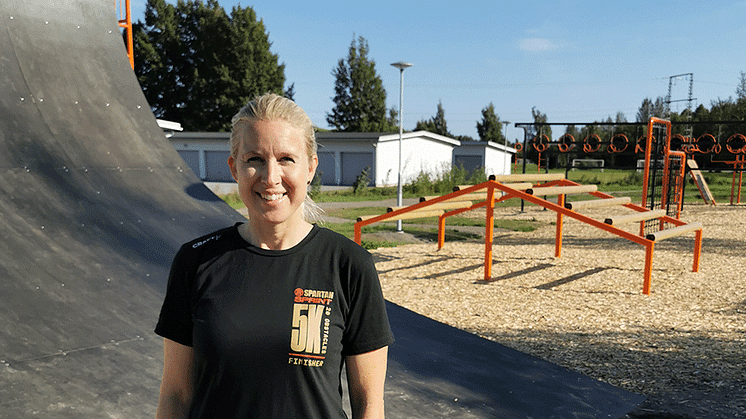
343, 156
206, 153
494, 158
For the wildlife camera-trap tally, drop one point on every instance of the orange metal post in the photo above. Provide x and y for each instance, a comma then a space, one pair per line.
126, 23
558, 238
488, 233
441, 231
697, 250
358, 233
648, 267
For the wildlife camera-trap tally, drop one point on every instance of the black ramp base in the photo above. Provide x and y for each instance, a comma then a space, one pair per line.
437, 371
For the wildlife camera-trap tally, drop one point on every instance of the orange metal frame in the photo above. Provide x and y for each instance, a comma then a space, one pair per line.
559, 208
125, 21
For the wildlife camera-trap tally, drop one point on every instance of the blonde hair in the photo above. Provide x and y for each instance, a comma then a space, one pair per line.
268, 107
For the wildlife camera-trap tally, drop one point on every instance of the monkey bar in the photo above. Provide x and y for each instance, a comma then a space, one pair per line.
556, 186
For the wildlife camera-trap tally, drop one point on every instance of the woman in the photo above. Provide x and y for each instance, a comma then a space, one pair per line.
259, 317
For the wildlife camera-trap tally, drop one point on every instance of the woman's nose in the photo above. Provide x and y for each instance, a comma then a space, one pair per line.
272, 173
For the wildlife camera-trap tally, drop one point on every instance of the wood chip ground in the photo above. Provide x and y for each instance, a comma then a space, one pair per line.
684, 345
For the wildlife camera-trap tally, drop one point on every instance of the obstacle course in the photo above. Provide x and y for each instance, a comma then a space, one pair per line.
554, 185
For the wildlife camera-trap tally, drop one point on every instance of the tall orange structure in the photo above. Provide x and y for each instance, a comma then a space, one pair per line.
125, 22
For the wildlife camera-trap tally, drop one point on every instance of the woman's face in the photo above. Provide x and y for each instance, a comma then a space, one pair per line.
273, 169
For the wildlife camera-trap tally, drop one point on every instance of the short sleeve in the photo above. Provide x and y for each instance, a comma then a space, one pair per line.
175, 321
367, 326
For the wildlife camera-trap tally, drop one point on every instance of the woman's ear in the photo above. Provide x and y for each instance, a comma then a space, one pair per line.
234, 169
312, 165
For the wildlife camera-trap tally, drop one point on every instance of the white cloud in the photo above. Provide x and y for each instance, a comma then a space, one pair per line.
537, 45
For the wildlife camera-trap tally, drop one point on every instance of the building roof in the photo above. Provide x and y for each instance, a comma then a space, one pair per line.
486, 144
337, 136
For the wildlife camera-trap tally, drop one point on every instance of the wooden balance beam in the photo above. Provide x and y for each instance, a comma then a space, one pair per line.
631, 218
520, 186
447, 205
528, 177
562, 190
675, 231
406, 216
597, 203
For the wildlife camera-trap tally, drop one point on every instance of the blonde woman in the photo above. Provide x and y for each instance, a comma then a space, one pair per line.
259, 317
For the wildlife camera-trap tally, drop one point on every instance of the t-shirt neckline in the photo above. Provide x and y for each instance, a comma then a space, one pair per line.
267, 252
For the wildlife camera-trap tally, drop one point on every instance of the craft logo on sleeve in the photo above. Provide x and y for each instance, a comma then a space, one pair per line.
310, 327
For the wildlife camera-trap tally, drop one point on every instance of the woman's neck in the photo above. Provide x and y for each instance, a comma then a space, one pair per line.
277, 237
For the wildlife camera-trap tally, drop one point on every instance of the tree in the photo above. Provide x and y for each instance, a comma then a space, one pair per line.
741, 88
359, 96
197, 65
437, 124
649, 109
541, 118
490, 127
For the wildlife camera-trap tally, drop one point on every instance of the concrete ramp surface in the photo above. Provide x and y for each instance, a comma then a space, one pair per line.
95, 202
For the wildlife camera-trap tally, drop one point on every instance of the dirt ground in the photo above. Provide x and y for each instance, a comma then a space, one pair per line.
683, 346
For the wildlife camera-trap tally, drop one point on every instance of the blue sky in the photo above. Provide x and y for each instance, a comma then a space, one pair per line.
575, 61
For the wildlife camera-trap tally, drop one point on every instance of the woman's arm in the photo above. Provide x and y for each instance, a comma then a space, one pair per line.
366, 374
177, 386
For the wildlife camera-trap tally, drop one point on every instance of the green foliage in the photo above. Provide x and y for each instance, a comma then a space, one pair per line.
359, 96
649, 109
443, 182
741, 88
361, 182
316, 184
490, 127
437, 124
198, 65
233, 199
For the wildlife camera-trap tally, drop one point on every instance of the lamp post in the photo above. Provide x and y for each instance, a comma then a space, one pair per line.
506, 163
401, 65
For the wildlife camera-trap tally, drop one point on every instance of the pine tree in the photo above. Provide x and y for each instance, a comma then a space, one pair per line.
741, 88
490, 127
437, 124
359, 96
197, 65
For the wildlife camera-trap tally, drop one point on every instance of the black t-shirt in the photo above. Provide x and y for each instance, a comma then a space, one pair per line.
270, 329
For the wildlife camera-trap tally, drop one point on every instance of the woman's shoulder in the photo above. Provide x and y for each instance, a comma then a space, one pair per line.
211, 241
330, 238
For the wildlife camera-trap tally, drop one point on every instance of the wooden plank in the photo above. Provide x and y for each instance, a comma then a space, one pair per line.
699, 180
447, 205
675, 231
477, 196
528, 177
405, 216
597, 203
562, 190
638, 216
520, 186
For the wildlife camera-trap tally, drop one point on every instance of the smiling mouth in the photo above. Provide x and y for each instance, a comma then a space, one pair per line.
271, 197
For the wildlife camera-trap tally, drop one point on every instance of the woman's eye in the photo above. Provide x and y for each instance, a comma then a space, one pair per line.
288, 159
254, 160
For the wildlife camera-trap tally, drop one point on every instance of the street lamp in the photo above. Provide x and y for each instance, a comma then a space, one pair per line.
506, 164
401, 65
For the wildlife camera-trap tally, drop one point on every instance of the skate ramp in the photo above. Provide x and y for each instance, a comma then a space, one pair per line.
95, 202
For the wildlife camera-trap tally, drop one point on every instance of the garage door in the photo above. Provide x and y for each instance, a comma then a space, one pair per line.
353, 164
217, 166
327, 169
469, 163
191, 158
